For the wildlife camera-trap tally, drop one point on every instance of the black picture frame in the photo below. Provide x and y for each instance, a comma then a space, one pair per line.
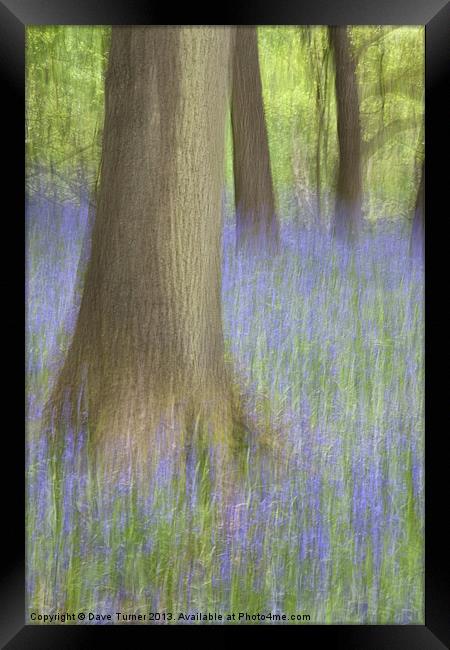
435, 15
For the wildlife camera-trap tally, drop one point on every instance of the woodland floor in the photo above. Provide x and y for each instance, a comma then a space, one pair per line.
331, 527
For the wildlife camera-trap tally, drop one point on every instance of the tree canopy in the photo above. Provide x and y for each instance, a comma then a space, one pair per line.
65, 112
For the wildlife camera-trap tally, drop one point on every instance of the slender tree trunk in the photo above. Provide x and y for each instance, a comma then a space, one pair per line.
320, 111
321, 94
256, 219
348, 209
418, 225
148, 343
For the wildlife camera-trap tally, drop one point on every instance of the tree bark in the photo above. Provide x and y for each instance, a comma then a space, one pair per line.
148, 343
256, 219
348, 208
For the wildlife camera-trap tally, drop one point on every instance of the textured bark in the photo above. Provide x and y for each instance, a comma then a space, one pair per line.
348, 211
256, 219
418, 225
148, 343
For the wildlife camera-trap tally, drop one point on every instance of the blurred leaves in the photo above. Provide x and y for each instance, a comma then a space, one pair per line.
65, 69
65, 102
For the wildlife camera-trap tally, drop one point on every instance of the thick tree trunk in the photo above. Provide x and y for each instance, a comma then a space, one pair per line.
348, 211
418, 224
256, 219
148, 343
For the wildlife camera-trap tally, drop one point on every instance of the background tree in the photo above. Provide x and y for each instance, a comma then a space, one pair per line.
315, 42
418, 223
256, 219
390, 75
348, 209
65, 104
148, 342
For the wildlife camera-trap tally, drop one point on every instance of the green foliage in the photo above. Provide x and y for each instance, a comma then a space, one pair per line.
65, 69
65, 102
391, 75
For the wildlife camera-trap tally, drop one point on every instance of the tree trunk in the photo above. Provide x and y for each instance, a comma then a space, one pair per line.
148, 343
418, 225
321, 75
348, 209
256, 219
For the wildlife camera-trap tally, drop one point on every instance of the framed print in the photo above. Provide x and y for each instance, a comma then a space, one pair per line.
230, 229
